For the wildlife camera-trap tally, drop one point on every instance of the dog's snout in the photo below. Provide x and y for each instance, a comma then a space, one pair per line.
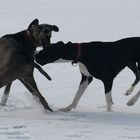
46, 31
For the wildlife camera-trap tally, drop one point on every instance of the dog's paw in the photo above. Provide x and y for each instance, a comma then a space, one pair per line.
64, 109
129, 91
132, 101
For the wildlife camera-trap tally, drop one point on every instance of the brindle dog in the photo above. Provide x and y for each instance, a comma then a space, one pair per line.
16, 58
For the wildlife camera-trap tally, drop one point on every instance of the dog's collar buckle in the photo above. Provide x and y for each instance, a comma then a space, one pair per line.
74, 64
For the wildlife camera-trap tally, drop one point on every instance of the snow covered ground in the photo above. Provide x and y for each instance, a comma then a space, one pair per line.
78, 20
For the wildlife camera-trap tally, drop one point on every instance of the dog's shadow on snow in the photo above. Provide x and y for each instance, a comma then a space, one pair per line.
110, 118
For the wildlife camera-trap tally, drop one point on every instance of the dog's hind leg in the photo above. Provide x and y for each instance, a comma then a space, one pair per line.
134, 99
5, 95
135, 70
82, 87
30, 84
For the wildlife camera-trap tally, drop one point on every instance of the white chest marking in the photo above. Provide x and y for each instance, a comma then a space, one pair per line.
83, 69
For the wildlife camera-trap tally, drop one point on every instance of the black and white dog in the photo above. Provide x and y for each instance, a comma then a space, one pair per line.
102, 60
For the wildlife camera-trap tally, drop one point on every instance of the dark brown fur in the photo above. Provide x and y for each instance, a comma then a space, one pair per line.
16, 58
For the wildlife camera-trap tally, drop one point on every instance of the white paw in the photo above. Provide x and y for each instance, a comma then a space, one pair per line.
109, 109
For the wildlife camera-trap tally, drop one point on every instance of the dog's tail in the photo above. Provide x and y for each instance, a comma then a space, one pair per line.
41, 71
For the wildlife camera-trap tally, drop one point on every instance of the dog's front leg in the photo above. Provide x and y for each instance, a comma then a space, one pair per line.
109, 101
5, 95
108, 94
82, 87
30, 84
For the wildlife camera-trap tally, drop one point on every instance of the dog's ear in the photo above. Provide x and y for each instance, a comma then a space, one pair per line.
34, 23
55, 28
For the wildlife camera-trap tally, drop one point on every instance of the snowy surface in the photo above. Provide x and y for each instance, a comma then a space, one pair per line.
79, 21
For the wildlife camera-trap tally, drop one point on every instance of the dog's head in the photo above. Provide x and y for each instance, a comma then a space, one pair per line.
51, 53
41, 33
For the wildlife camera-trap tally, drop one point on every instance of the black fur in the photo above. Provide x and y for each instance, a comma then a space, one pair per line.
103, 60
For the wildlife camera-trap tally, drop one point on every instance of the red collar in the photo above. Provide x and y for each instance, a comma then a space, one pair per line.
78, 54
